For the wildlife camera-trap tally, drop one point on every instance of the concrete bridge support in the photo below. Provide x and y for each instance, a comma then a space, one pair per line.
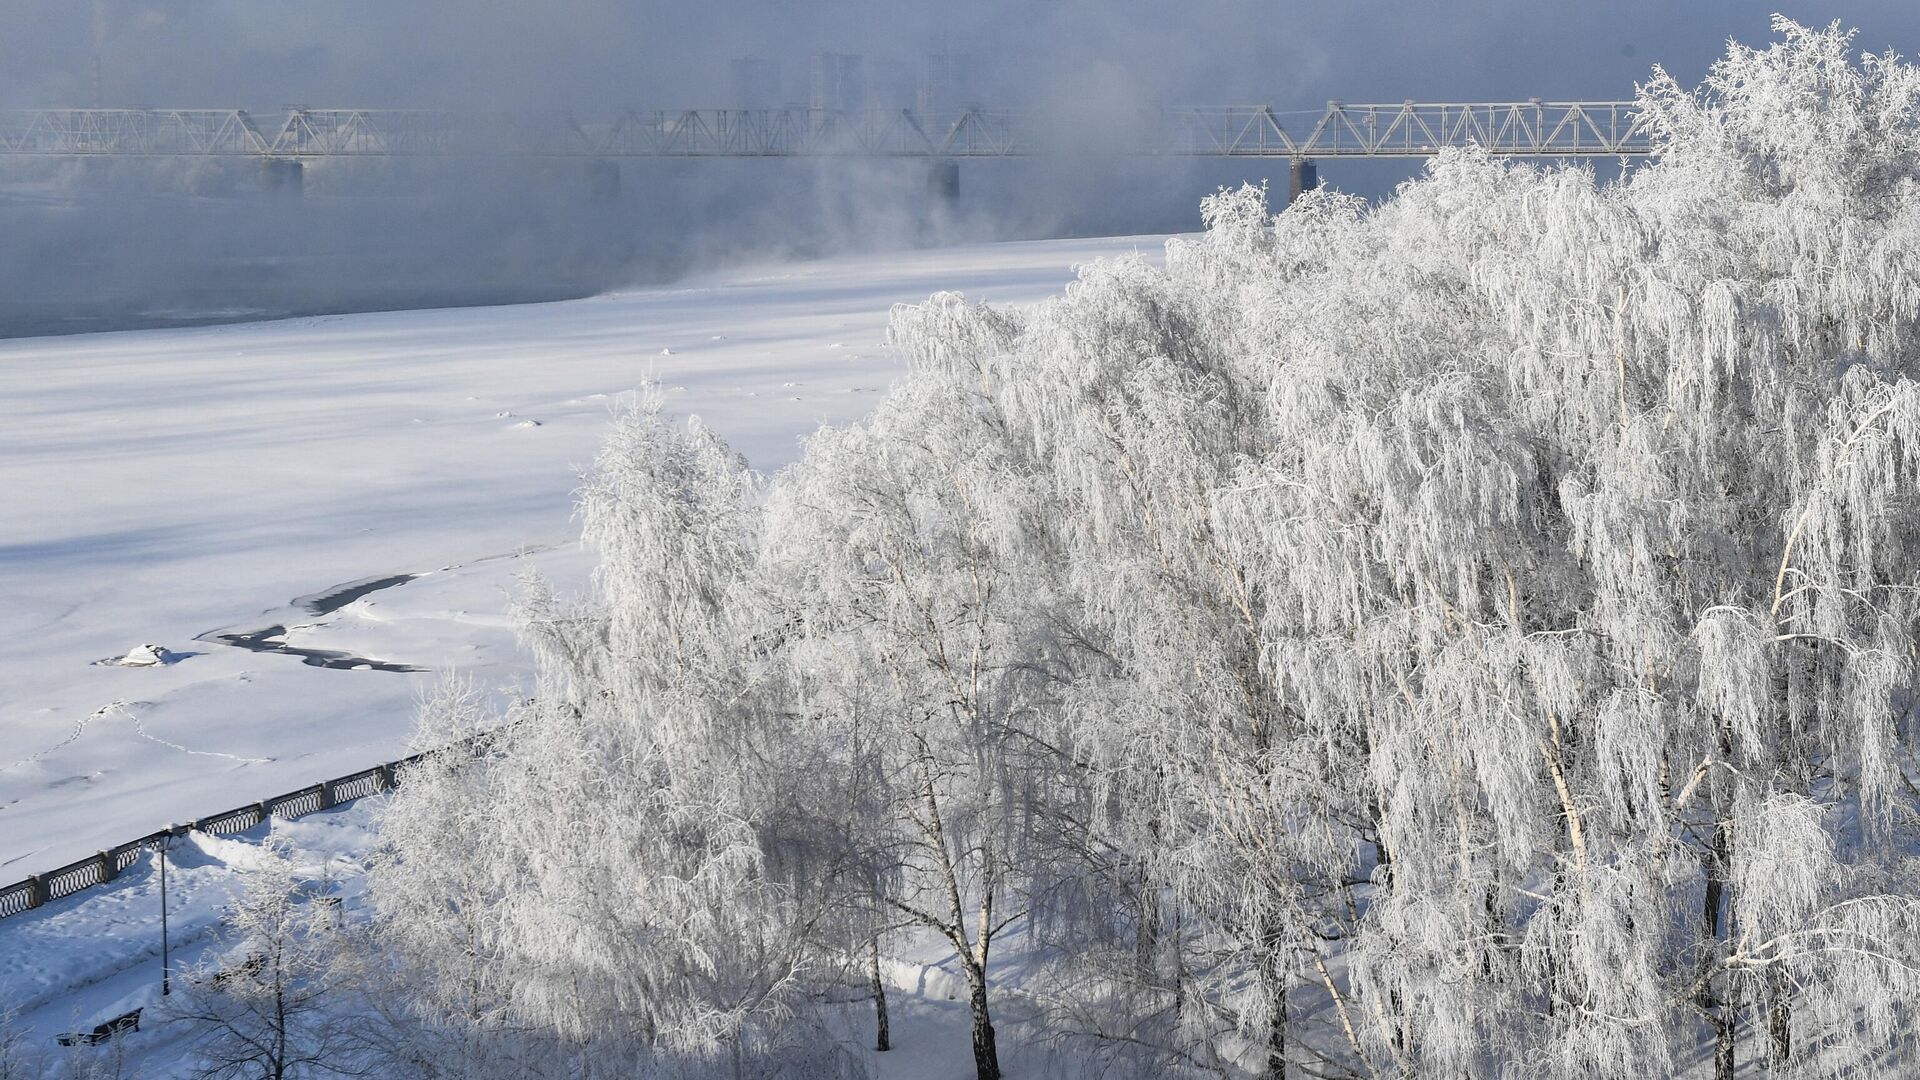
284, 176
943, 181
1302, 177
603, 181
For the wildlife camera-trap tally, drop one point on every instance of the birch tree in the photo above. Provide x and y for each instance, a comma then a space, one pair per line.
1572, 530
589, 870
894, 553
1472, 635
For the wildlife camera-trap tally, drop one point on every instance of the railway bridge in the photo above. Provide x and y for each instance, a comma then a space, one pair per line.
284, 140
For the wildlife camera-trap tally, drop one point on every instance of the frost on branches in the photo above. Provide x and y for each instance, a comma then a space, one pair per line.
1473, 636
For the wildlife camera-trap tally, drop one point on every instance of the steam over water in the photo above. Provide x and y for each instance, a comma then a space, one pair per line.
103, 245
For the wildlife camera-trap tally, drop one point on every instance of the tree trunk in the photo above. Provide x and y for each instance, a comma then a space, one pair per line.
1179, 957
986, 1055
1727, 1052
1719, 855
881, 1044
279, 1021
1146, 941
1779, 1025
1496, 937
1552, 972
973, 956
1277, 1027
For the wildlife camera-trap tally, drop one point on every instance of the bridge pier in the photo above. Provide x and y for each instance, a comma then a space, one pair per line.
603, 181
1303, 177
284, 176
943, 181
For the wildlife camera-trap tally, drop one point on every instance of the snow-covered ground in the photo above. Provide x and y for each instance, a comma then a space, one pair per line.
81, 961
174, 487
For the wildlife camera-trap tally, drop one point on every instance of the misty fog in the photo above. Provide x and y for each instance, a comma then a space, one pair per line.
99, 243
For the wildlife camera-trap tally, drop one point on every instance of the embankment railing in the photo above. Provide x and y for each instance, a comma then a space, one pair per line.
38, 890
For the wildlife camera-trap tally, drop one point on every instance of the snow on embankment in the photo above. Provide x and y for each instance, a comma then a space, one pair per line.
95, 955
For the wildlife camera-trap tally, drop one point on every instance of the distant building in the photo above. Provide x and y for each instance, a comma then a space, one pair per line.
838, 82
946, 84
755, 84
894, 85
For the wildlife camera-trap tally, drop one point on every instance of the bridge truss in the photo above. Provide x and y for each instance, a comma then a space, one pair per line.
1408, 129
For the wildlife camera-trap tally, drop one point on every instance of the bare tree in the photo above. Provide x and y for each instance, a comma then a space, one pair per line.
259, 1007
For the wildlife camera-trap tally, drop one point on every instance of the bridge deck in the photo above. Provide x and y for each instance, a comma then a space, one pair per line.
1408, 129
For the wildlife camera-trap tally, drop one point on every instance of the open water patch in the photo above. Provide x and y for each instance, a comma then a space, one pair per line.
332, 600
273, 639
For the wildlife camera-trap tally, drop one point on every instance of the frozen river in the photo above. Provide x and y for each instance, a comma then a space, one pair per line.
232, 493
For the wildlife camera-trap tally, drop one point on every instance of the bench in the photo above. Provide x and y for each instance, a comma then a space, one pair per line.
102, 1032
248, 968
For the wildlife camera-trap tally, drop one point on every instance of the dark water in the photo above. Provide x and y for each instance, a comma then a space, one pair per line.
332, 600
264, 640
272, 639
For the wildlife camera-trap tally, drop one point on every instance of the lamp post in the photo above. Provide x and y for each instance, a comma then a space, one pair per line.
166, 955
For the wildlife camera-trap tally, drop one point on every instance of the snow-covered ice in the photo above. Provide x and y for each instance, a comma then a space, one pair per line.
281, 466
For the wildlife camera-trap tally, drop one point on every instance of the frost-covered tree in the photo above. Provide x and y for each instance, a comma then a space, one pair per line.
18, 1058
1568, 530
894, 567
586, 875
1127, 400
1472, 635
1531, 545
260, 1006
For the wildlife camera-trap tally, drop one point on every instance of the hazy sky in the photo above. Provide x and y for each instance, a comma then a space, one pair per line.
598, 55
